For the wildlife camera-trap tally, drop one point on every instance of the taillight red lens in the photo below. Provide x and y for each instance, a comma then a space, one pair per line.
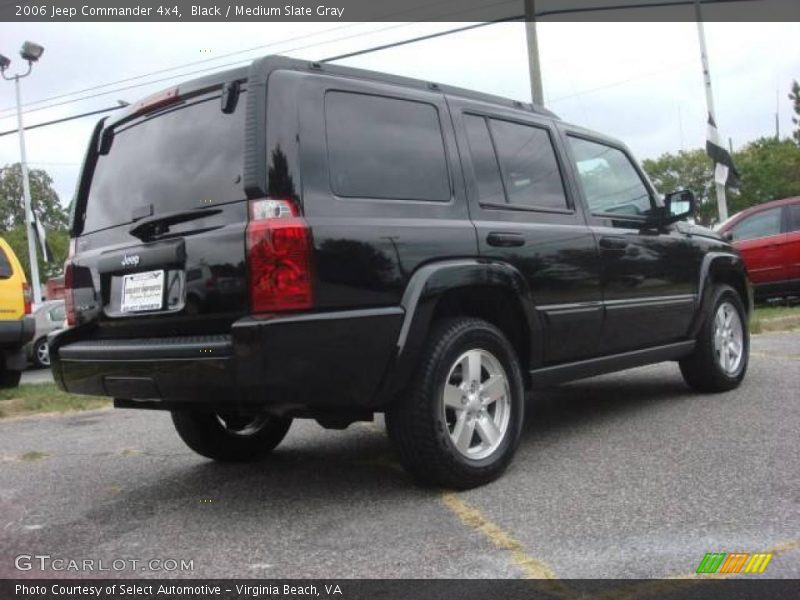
69, 295
26, 297
278, 257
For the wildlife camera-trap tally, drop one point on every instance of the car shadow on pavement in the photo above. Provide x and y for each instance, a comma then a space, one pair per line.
325, 471
591, 401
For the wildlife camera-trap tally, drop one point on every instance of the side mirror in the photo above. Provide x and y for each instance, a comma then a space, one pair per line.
679, 205
728, 235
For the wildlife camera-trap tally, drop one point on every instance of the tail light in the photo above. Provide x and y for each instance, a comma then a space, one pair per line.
278, 257
26, 297
69, 286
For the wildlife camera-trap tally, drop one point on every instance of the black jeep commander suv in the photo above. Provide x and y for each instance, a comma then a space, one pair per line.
296, 240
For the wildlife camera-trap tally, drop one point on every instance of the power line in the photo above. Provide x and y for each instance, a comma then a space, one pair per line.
46, 123
198, 71
264, 46
422, 38
616, 83
329, 59
175, 68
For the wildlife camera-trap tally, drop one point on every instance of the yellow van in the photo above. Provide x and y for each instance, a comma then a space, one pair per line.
16, 324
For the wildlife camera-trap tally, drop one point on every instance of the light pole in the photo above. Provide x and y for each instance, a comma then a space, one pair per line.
534, 64
31, 53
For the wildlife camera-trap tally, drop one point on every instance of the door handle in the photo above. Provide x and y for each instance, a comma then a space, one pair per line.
613, 243
505, 240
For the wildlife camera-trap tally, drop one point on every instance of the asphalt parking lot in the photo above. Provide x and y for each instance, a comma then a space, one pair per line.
625, 476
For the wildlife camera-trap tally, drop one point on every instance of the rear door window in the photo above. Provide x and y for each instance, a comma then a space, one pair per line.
382, 147
190, 156
484, 161
528, 163
514, 164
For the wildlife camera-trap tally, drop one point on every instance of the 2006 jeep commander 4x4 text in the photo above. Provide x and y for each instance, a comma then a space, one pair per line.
301, 240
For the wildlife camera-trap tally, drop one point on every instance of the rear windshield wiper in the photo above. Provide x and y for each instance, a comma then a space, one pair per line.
153, 227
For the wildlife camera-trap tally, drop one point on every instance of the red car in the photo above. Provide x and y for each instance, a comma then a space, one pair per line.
768, 236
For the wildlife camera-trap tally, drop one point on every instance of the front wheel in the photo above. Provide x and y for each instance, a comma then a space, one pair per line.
460, 423
720, 358
230, 438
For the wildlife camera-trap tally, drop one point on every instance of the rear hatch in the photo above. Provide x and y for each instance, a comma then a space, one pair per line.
13, 288
160, 217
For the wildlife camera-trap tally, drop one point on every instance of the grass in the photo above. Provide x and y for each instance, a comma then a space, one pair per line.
31, 399
775, 318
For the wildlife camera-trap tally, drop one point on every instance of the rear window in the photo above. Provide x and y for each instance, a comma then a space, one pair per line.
6, 270
187, 157
380, 147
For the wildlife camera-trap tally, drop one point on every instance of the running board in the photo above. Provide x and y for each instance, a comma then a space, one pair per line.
608, 364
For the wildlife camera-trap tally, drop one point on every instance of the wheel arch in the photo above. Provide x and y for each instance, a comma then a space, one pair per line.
721, 268
491, 290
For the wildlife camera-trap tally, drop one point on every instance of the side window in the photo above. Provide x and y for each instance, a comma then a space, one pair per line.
760, 225
484, 161
528, 163
380, 147
794, 217
610, 182
58, 314
5, 266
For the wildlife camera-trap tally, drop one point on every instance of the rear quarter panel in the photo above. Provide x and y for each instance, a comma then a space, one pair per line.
366, 249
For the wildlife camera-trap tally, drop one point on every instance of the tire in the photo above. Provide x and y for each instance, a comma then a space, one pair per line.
425, 423
706, 369
8, 378
41, 354
230, 438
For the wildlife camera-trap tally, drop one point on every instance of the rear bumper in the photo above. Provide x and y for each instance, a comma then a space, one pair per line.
14, 335
299, 362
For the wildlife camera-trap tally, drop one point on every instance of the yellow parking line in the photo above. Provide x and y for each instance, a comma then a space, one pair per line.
475, 519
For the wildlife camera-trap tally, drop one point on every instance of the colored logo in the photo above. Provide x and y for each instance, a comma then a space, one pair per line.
735, 562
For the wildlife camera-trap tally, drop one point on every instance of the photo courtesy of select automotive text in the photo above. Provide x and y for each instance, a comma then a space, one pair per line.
419, 300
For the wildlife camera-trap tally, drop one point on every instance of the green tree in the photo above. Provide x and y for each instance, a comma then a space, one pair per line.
48, 211
794, 96
770, 169
688, 169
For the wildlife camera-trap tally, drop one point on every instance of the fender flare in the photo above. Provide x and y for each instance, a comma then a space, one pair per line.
426, 287
714, 264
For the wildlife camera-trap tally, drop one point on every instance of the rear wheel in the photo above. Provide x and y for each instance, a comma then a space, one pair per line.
720, 358
230, 437
459, 424
41, 353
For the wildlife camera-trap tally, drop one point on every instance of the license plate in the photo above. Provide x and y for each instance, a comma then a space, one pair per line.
142, 291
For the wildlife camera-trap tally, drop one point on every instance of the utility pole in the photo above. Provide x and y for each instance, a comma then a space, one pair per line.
534, 66
722, 205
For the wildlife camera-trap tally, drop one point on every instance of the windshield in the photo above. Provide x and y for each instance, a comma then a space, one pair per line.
187, 157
